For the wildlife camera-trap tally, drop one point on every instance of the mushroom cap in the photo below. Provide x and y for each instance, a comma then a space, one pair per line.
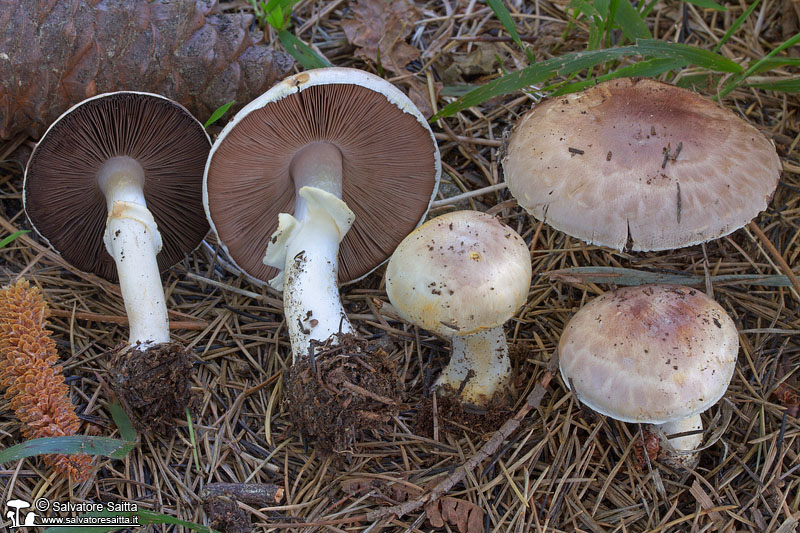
64, 202
459, 273
593, 165
390, 166
17, 504
653, 353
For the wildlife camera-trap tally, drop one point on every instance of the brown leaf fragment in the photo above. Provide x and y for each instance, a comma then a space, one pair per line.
381, 27
56, 54
787, 397
466, 516
483, 59
419, 94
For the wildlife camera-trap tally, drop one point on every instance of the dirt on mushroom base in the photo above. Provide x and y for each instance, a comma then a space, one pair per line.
343, 391
454, 416
152, 384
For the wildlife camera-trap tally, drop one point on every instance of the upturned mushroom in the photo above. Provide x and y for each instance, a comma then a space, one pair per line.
114, 186
655, 354
463, 275
640, 164
353, 161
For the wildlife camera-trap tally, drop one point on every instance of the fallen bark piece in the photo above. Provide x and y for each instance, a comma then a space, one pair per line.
220, 503
56, 54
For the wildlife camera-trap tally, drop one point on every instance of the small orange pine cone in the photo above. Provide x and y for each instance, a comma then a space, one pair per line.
33, 383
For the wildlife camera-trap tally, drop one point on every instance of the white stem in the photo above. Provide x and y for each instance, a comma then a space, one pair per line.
485, 354
133, 240
689, 442
306, 247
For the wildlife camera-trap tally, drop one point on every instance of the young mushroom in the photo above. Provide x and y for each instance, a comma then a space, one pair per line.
125, 171
655, 354
640, 164
463, 275
354, 161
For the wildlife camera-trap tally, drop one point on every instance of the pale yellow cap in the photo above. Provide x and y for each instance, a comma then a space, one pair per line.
459, 273
642, 163
654, 353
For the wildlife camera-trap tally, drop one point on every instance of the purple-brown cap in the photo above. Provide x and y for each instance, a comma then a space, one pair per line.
640, 163
61, 193
654, 353
390, 166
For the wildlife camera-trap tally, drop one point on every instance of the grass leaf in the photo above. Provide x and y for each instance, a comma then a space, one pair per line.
192, 439
631, 22
145, 518
629, 276
217, 114
734, 82
789, 85
772, 63
649, 68
123, 423
301, 52
114, 448
694, 55
736, 25
504, 17
9, 238
536, 73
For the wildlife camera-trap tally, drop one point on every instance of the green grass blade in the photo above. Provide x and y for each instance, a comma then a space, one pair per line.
694, 55
631, 22
629, 276
736, 25
505, 19
301, 52
739, 78
647, 8
790, 85
114, 448
458, 90
613, 7
9, 238
217, 114
145, 518
123, 423
777, 62
707, 4
192, 439
537, 73
594, 19
649, 68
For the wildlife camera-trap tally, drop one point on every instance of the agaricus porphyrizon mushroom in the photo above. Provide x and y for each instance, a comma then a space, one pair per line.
114, 186
354, 161
655, 354
463, 275
640, 164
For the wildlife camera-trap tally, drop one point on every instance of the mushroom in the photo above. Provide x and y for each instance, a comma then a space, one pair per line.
640, 164
354, 161
463, 275
655, 354
124, 170
16, 505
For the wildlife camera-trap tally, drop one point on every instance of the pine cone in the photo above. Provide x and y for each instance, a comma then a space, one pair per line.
56, 53
35, 386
